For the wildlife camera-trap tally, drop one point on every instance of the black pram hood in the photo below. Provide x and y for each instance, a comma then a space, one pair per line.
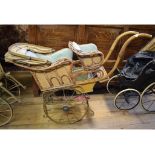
136, 63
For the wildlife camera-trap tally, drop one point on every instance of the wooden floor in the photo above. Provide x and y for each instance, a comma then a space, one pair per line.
29, 114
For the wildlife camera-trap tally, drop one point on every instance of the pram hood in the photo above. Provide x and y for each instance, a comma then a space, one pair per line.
135, 64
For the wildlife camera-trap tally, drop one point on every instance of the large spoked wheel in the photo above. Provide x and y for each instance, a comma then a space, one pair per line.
113, 85
148, 98
6, 112
127, 99
65, 106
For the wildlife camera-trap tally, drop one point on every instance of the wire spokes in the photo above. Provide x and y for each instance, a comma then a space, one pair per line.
5, 112
148, 98
66, 106
127, 99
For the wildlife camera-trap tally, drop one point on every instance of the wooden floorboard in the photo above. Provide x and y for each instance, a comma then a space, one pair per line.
29, 114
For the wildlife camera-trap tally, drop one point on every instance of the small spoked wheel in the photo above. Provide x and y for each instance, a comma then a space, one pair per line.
6, 112
65, 106
113, 85
127, 99
148, 98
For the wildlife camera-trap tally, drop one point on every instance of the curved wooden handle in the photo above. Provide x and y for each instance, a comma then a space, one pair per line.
140, 35
150, 46
123, 50
116, 42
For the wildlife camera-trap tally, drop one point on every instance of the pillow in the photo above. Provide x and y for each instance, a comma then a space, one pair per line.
76, 46
58, 55
88, 48
84, 48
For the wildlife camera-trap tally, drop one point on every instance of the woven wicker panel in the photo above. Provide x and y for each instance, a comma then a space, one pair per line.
55, 82
97, 60
41, 79
54, 79
87, 61
64, 75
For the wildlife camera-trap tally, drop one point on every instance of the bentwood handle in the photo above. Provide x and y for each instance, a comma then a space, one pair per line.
123, 50
118, 38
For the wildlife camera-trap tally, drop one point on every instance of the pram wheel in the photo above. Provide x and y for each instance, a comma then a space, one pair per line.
148, 98
113, 85
65, 105
6, 112
127, 99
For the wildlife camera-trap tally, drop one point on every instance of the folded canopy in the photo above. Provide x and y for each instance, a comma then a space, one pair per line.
138, 62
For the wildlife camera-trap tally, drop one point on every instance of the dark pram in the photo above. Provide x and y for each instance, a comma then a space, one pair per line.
136, 81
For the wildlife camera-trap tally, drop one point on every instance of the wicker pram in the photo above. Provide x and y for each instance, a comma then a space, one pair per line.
65, 82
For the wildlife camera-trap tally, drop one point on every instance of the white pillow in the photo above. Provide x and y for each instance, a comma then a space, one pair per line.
76, 46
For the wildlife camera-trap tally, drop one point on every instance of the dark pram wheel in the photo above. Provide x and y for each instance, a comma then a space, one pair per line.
148, 98
6, 112
113, 85
65, 106
127, 99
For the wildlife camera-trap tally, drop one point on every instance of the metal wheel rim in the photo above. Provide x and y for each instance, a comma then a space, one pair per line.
108, 83
71, 116
142, 98
123, 91
8, 110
